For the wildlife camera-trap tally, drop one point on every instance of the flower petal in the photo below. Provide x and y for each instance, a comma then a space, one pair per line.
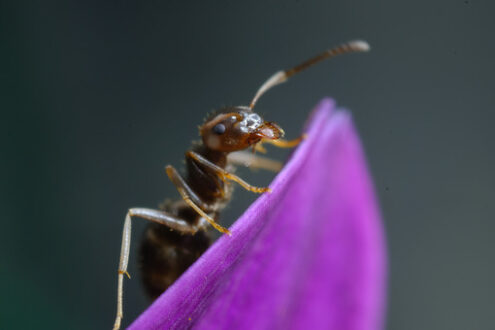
309, 255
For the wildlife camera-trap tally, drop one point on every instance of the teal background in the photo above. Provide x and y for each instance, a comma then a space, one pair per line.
98, 96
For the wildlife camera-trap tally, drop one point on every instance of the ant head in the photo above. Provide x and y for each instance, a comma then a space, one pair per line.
237, 128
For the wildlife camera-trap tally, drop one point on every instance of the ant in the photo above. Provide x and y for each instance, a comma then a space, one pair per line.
176, 236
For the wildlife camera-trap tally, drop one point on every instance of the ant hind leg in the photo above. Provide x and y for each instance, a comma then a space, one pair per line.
156, 216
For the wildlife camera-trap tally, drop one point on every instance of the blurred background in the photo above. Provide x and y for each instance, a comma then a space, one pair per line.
98, 96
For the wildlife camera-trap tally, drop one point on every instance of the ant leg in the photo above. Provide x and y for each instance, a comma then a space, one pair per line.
154, 216
223, 174
250, 160
259, 148
192, 199
281, 143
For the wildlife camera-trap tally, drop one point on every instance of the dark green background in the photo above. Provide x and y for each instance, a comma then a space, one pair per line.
98, 96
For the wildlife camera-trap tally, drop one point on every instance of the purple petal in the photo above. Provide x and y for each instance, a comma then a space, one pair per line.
310, 255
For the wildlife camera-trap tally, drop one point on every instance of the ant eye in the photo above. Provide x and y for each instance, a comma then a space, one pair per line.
219, 129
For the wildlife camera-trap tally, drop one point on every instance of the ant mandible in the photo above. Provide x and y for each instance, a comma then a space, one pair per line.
176, 236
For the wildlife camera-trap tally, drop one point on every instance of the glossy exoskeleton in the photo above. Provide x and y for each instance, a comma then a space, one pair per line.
177, 234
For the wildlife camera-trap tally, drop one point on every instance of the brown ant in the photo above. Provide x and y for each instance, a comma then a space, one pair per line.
176, 236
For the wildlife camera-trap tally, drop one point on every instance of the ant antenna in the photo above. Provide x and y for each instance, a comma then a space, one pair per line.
282, 76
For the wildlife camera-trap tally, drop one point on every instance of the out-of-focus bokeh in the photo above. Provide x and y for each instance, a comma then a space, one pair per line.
98, 96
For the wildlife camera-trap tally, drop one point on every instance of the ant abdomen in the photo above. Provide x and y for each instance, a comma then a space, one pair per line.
165, 254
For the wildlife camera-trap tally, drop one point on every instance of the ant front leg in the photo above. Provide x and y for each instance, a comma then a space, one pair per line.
192, 199
160, 217
281, 143
223, 174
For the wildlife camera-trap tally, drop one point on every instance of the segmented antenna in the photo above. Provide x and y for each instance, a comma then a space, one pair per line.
282, 76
